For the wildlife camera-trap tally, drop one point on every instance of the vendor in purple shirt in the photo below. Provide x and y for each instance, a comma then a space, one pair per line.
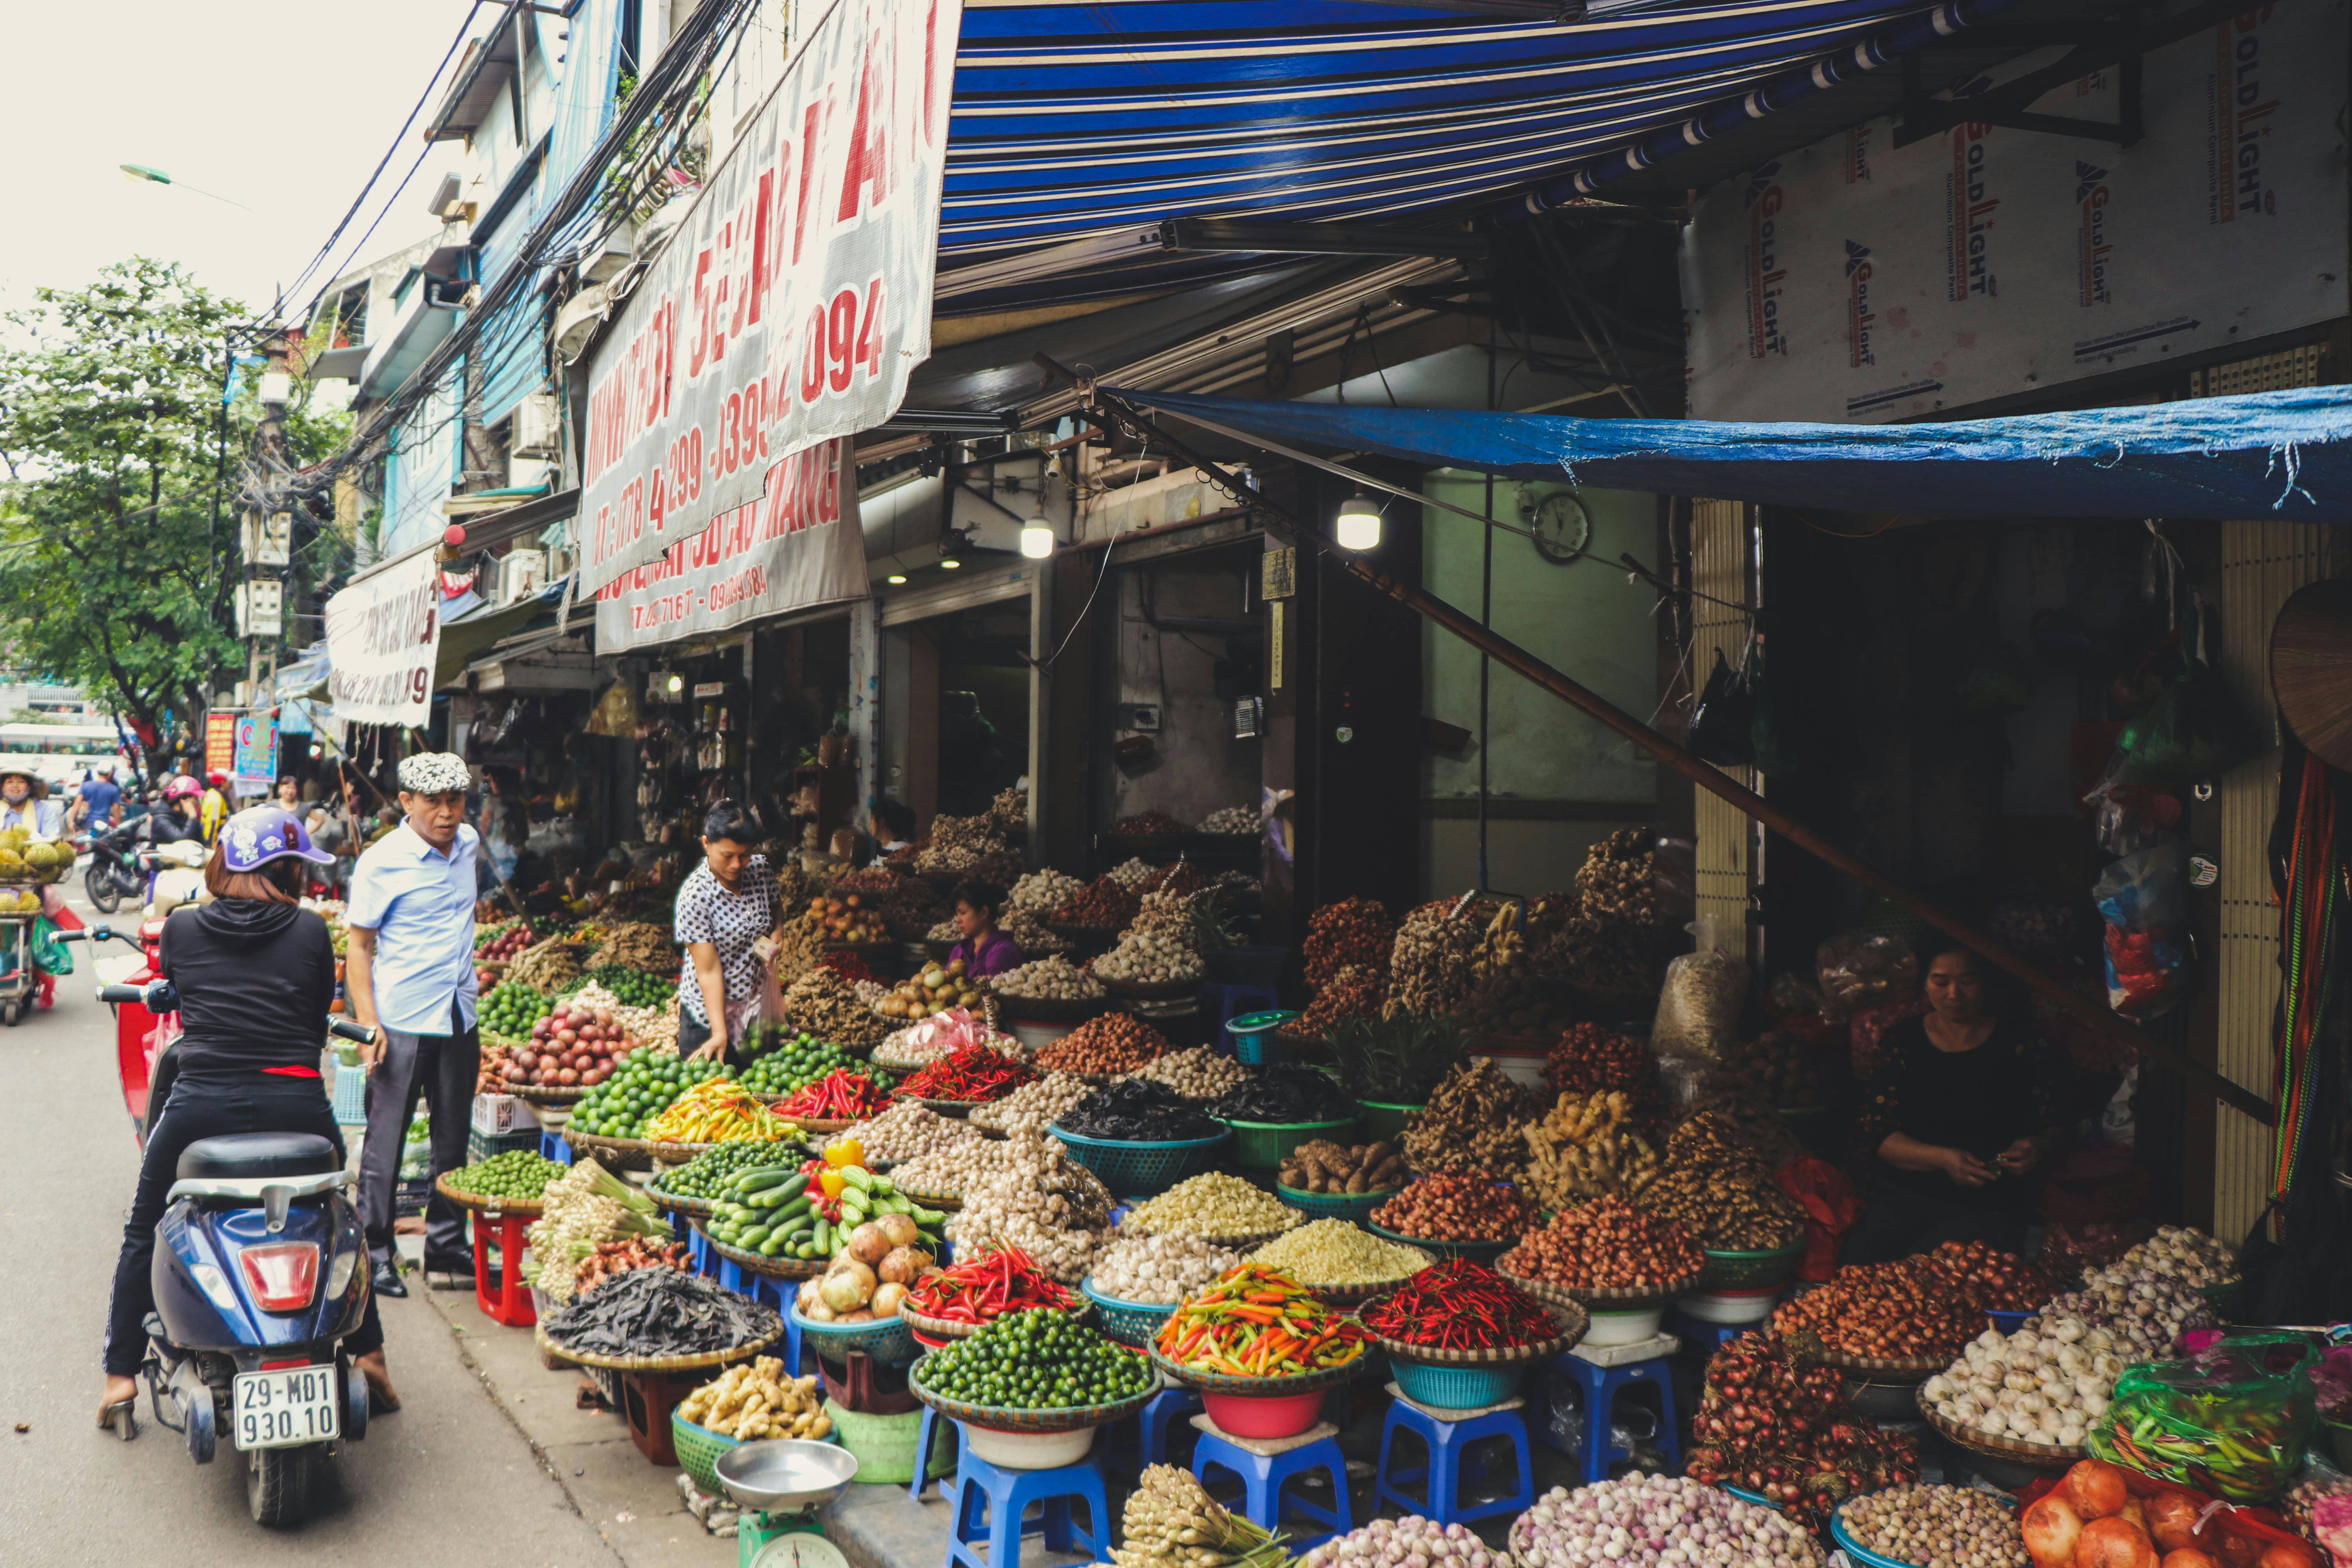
985, 951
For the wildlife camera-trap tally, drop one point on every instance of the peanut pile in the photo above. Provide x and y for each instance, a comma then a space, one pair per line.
1113, 1043
1352, 933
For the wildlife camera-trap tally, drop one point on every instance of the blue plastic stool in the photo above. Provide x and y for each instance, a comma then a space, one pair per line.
1226, 1002
1709, 1337
702, 1255
1263, 1477
552, 1146
1602, 1385
923, 1434
1142, 1438
1451, 1464
989, 1503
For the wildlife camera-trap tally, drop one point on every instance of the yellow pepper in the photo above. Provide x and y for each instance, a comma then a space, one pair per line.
844, 1152
831, 1182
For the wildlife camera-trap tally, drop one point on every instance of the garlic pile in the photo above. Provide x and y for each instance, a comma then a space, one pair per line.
1159, 1268
1644, 1519
1052, 978
2145, 1311
1148, 958
1041, 1201
1032, 939
1199, 1073
1033, 1107
1134, 873
2178, 1252
1229, 819
1042, 892
908, 1131
2044, 1383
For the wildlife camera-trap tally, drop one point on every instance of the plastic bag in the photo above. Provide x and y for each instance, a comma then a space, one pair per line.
2233, 1419
1831, 1208
1767, 736
1700, 1003
2128, 812
2193, 731
1857, 970
2144, 898
50, 956
1721, 726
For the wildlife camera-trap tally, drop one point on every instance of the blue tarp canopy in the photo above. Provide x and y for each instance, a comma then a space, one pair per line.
2283, 456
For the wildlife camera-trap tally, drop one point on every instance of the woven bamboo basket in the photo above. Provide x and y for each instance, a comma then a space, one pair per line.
1038, 1422
528, 1208
1051, 1009
2038, 1455
613, 1154
1884, 1369
693, 1208
768, 1267
948, 1329
544, 1094
1618, 1300
1257, 1387
656, 1363
1146, 991
1571, 1317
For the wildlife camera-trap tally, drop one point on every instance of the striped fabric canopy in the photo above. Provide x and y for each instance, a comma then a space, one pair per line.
1075, 119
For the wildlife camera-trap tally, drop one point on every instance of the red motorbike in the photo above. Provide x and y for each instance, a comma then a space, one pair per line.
140, 1036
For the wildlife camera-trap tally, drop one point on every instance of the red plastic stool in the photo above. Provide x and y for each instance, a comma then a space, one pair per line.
509, 1302
647, 1400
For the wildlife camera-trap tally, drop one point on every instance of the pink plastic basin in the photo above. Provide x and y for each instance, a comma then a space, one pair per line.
1263, 1415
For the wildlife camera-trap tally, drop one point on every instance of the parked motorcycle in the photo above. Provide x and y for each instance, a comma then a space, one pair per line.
260, 1271
114, 871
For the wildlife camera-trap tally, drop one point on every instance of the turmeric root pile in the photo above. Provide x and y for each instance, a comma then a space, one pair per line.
1320, 1165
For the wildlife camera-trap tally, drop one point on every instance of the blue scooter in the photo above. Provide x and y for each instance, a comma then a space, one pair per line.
260, 1270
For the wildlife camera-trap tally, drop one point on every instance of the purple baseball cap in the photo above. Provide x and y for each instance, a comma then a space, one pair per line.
256, 836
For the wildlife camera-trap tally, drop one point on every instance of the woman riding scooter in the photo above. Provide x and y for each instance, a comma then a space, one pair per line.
255, 976
177, 820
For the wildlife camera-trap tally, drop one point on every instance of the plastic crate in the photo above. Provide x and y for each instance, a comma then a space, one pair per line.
1144, 1170
410, 1195
1751, 1271
498, 1114
1128, 1323
1448, 1387
480, 1146
1264, 1145
349, 1094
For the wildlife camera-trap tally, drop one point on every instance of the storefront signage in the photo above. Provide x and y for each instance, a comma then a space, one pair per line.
798, 545
795, 299
254, 757
384, 633
220, 742
1855, 281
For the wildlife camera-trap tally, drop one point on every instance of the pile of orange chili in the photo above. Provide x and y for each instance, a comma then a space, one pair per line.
1256, 1321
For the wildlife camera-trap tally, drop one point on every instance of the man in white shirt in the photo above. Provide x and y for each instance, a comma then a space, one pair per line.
409, 975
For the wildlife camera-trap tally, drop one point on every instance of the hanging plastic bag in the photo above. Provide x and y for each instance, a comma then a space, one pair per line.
50, 956
2193, 731
1721, 726
2128, 812
1767, 740
2144, 898
1830, 1209
1700, 1004
2233, 1419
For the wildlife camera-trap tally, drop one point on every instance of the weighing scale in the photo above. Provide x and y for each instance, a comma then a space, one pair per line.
780, 1483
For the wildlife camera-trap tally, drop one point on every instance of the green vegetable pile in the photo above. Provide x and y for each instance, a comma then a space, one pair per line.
519, 1173
796, 1061
512, 1008
1036, 1360
633, 988
708, 1173
773, 1211
642, 1085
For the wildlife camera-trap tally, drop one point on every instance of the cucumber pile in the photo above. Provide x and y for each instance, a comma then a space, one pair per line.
772, 1210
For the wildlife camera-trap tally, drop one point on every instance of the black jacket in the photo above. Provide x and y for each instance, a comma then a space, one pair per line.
254, 981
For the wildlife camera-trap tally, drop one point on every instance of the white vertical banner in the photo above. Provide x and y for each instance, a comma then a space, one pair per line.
384, 633
795, 299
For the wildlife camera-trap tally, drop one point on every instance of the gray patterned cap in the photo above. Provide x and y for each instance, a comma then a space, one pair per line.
433, 772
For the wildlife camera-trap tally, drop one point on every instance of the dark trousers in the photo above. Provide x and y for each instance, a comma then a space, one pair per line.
443, 1067
1901, 1221
208, 1107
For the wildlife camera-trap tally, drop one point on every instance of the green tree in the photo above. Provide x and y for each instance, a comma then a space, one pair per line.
114, 573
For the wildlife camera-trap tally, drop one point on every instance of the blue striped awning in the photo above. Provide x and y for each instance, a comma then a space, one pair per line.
1076, 120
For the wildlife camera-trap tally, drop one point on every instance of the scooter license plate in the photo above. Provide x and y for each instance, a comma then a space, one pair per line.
283, 1409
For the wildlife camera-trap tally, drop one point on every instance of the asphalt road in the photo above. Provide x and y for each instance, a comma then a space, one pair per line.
448, 1480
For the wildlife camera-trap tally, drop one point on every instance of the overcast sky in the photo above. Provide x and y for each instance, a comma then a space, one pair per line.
283, 105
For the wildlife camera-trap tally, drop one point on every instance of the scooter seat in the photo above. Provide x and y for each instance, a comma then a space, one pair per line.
257, 1154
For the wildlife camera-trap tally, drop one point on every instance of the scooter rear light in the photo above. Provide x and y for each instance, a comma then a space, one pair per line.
283, 1276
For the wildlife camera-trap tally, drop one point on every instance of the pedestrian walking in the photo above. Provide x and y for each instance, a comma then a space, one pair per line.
409, 977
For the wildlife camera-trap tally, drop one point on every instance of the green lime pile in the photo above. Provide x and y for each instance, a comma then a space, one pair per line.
1036, 1360
512, 1008
642, 1085
518, 1173
706, 1174
633, 987
793, 1062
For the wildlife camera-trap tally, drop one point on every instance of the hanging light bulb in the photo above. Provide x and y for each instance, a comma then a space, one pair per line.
1037, 538
1360, 523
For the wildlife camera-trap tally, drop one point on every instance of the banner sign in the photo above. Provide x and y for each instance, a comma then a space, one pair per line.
220, 741
1855, 281
384, 633
795, 298
786, 550
254, 765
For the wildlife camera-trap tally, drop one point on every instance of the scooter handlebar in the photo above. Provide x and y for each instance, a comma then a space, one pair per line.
120, 993
348, 1030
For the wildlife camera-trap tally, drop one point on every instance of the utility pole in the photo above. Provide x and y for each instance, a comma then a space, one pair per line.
266, 533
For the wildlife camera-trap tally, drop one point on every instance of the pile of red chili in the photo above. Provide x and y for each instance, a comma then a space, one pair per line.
839, 1096
847, 966
999, 1281
1459, 1305
968, 1073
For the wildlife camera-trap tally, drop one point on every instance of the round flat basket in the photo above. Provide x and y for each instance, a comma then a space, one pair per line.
890, 1340
528, 1208
669, 1153
768, 1267
613, 1154
1843, 1537
1349, 1296
693, 1208
949, 1202
1886, 1369
930, 1327
1355, 1206
1568, 1316
1256, 1387
1143, 1170
2041, 1456
1632, 1300
1051, 1009
743, 1351
1082, 1419
1128, 1323
957, 1109
902, 1065
1249, 1242
543, 1094
822, 1125
1148, 991
1478, 1251
1750, 1270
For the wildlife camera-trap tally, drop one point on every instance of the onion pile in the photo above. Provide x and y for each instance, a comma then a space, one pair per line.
1405, 1543
1641, 1519
2146, 1313
2181, 1253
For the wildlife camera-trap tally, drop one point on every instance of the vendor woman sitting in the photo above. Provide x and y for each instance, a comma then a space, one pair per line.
984, 950
1960, 1114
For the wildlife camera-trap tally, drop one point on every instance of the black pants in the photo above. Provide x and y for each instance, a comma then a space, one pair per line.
443, 1067
1901, 1221
208, 1107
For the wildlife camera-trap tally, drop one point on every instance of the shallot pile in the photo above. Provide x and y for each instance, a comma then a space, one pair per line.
1774, 1420
1642, 1519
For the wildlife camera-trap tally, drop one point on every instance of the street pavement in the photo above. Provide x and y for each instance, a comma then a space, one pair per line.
450, 1480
